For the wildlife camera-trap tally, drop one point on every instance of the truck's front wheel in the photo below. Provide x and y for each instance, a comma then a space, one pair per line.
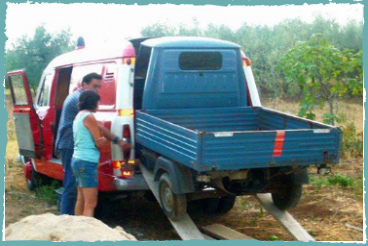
289, 196
173, 205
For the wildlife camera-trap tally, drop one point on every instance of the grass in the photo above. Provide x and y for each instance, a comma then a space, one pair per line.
47, 193
358, 186
257, 216
10, 131
337, 180
247, 206
340, 180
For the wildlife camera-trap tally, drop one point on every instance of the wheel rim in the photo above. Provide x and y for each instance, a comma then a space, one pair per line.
167, 197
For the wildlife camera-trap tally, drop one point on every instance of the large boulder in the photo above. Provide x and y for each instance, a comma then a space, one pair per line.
52, 227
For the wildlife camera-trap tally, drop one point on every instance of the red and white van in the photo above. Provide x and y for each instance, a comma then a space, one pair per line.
36, 121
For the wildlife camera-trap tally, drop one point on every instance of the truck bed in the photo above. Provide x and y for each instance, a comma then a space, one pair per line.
236, 138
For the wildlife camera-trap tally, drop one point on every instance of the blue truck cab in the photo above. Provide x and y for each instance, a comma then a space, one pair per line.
201, 130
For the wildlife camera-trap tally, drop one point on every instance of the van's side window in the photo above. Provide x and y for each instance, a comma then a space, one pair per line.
19, 92
44, 95
107, 91
80, 71
108, 88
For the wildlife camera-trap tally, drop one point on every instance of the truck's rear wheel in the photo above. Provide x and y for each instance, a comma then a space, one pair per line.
220, 205
289, 196
173, 205
210, 205
226, 203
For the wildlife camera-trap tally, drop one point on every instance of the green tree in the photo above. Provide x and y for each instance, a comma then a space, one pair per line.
265, 45
324, 72
36, 52
158, 30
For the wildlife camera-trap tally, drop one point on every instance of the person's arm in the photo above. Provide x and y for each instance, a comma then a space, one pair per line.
113, 138
91, 124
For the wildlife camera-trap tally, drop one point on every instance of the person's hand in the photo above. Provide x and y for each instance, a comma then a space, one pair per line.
126, 148
125, 145
100, 142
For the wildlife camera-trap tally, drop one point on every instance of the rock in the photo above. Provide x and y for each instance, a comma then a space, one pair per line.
50, 227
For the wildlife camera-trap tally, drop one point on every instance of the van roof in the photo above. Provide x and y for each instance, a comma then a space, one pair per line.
188, 42
92, 54
126, 49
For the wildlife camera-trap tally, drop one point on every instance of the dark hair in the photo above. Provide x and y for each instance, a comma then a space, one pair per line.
87, 79
88, 100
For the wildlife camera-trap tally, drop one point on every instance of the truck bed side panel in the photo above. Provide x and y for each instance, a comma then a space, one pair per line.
270, 119
257, 149
217, 119
170, 140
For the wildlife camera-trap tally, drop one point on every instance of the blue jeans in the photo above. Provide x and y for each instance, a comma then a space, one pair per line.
85, 173
69, 196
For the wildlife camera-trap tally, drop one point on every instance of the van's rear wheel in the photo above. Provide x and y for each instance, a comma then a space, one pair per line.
289, 196
33, 178
173, 205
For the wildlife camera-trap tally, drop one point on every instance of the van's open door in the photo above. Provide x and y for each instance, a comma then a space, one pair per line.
27, 123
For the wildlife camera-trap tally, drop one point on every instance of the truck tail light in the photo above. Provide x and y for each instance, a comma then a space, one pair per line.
127, 173
117, 164
129, 61
123, 169
116, 167
126, 112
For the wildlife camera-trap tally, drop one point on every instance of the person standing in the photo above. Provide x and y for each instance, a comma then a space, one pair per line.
64, 145
87, 140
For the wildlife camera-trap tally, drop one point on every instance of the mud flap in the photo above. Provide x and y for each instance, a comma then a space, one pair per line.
301, 176
181, 177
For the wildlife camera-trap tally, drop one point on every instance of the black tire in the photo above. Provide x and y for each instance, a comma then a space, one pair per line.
37, 180
226, 203
195, 206
289, 196
210, 205
173, 205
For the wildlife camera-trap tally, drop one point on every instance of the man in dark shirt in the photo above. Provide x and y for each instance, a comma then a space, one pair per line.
64, 142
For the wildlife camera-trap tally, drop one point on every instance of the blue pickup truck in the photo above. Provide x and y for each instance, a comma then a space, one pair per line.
201, 129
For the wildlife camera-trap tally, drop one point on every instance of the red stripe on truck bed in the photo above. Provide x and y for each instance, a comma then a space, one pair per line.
279, 143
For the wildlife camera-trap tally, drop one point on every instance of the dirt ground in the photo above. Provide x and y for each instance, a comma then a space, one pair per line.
323, 211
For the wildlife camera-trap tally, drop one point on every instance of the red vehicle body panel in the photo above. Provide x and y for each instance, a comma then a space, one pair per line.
28, 110
46, 116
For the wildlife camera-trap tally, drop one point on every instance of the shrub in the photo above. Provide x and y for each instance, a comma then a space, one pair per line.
340, 180
352, 142
333, 180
